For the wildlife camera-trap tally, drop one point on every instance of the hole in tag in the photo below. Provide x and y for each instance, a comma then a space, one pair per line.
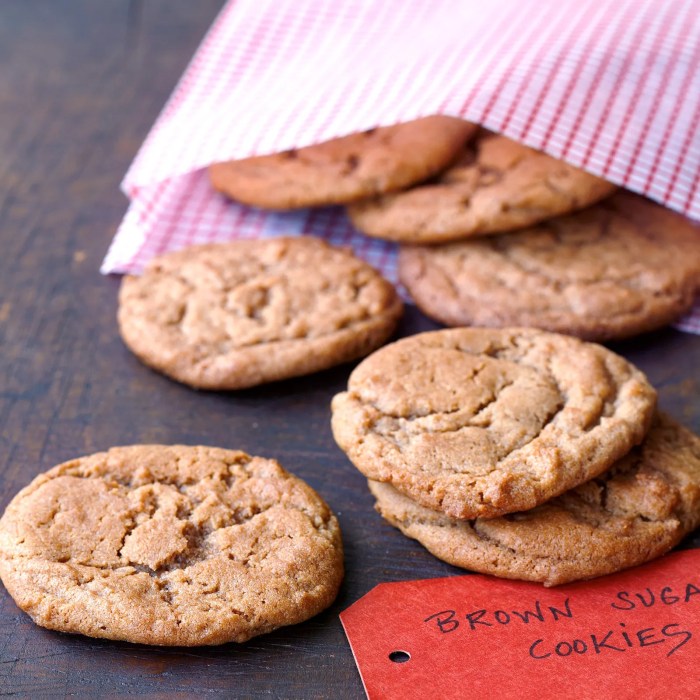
399, 657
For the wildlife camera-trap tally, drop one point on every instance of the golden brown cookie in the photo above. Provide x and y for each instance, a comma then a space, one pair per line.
622, 267
170, 545
636, 511
480, 422
497, 185
234, 315
345, 169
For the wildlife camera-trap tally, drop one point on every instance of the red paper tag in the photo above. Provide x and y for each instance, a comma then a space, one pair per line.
630, 635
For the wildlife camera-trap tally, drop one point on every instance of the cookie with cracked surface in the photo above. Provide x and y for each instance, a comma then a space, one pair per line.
170, 545
497, 185
345, 169
480, 422
234, 315
622, 267
636, 511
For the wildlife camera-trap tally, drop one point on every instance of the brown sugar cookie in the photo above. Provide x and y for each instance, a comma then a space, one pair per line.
497, 185
480, 422
170, 545
622, 267
636, 511
345, 169
234, 315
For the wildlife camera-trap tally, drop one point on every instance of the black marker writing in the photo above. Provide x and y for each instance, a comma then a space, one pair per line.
445, 620
631, 601
604, 643
687, 636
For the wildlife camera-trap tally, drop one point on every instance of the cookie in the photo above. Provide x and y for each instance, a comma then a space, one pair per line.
636, 511
479, 422
234, 315
619, 268
170, 545
345, 169
497, 185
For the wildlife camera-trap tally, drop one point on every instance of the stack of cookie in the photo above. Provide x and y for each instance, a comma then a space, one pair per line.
520, 453
499, 235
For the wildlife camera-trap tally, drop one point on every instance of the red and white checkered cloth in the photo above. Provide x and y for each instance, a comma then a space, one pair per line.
612, 86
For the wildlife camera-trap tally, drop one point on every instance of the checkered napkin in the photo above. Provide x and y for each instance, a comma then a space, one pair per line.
612, 86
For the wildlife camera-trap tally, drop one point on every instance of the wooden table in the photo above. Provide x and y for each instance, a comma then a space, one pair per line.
81, 83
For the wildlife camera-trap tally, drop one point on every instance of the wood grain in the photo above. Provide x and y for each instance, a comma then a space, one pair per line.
81, 83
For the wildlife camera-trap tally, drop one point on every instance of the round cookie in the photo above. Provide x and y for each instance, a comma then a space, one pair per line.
171, 546
345, 169
638, 510
497, 185
479, 422
622, 267
234, 315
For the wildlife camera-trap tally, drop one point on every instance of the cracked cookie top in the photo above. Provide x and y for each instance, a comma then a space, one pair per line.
345, 169
234, 315
636, 511
622, 267
170, 545
497, 185
479, 422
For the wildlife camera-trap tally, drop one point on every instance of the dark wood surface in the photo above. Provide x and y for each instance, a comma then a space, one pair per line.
80, 84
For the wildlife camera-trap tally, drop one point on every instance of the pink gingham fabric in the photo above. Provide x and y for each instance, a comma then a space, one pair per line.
612, 86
